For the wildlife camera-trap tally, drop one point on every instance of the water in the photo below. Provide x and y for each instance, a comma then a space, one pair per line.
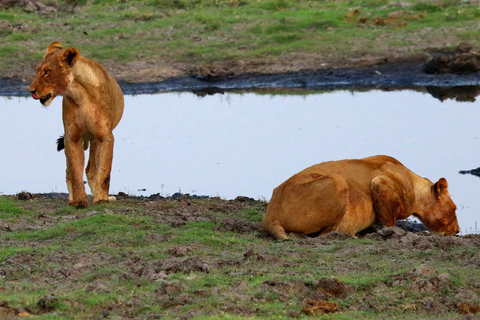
247, 144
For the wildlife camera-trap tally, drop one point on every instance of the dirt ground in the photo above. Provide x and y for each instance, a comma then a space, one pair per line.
419, 277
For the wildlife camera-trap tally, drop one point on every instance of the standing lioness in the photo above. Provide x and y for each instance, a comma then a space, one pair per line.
92, 107
351, 195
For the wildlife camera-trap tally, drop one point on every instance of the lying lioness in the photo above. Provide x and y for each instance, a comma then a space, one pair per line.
350, 195
92, 108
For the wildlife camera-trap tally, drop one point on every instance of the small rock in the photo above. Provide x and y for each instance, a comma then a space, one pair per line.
392, 232
411, 225
425, 270
80, 265
168, 288
464, 47
5, 27
396, 14
179, 251
466, 294
294, 287
334, 287
98, 288
177, 196
29, 6
461, 63
442, 280
91, 213
293, 314
410, 238
47, 303
378, 307
243, 199
248, 254
122, 195
398, 283
22, 195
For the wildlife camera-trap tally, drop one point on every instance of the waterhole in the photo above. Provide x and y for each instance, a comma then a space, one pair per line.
246, 144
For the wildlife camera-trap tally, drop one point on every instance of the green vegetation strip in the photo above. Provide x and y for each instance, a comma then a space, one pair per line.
198, 32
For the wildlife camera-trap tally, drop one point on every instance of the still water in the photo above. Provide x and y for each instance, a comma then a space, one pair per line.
247, 144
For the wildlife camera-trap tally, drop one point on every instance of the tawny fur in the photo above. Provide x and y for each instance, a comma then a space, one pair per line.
92, 107
350, 195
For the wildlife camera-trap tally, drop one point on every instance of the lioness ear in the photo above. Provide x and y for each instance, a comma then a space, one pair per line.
70, 56
54, 46
440, 186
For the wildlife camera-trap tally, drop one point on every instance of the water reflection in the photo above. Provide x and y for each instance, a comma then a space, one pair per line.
247, 144
460, 93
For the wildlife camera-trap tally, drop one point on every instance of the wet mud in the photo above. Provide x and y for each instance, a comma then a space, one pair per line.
398, 76
389, 76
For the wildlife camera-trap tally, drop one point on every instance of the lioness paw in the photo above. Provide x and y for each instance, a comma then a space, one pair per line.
79, 204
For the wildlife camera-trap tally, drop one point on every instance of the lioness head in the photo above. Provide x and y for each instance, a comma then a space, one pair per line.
440, 214
53, 74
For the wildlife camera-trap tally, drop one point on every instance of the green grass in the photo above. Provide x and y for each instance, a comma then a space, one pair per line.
9, 207
203, 31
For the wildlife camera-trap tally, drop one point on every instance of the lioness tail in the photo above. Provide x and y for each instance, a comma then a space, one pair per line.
61, 143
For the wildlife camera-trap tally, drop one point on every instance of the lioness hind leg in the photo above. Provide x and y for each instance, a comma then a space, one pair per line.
92, 169
274, 228
69, 186
75, 161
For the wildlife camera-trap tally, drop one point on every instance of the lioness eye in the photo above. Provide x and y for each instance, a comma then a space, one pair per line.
46, 72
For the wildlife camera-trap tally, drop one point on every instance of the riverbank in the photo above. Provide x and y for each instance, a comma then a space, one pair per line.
407, 74
189, 45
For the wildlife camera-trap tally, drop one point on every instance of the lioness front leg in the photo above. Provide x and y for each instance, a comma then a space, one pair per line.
75, 160
104, 158
391, 200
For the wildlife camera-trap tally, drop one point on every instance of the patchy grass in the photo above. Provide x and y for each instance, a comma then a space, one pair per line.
208, 259
199, 32
8, 207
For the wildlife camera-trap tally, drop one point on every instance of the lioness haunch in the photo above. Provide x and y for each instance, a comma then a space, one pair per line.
92, 108
350, 195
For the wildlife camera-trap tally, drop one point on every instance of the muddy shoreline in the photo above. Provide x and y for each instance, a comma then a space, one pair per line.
388, 76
